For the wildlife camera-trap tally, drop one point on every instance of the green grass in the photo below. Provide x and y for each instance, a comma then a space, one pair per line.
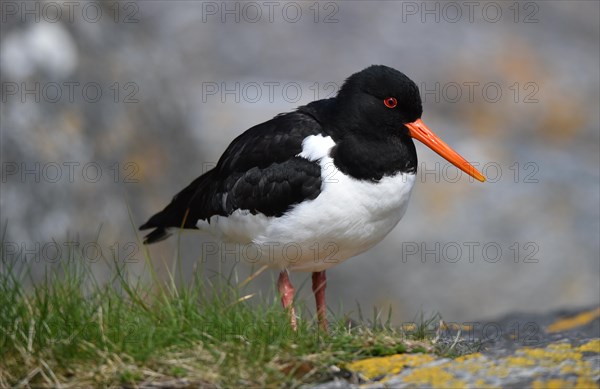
71, 330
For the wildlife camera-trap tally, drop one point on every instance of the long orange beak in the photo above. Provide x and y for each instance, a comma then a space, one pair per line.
422, 133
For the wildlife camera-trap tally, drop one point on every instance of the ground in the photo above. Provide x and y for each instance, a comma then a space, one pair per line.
556, 350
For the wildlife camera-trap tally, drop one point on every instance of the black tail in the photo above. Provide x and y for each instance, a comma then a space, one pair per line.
182, 211
156, 236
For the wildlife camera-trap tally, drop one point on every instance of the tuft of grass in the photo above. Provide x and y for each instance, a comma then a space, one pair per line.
71, 330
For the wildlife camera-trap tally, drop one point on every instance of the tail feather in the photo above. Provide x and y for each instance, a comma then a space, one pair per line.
180, 213
157, 235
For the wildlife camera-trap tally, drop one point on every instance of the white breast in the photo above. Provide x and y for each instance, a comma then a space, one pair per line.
348, 217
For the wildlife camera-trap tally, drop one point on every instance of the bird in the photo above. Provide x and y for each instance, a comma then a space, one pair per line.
311, 188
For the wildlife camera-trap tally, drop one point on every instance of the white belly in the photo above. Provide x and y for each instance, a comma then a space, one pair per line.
347, 218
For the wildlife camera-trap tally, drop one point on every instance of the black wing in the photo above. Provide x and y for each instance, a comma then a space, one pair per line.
259, 172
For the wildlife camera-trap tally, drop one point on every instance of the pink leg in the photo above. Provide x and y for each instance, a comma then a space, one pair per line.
286, 291
319, 282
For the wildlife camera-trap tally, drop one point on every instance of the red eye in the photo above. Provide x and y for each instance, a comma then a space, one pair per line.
390, 102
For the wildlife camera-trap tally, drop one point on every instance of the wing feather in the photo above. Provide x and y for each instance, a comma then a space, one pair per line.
260, 171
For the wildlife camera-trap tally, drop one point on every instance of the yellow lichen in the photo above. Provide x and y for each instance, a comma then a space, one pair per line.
578, 368
468, 357
559, 347
434, 376
574, 322
552, 354
498, 370
394, 364
471, 363
593, 346
519, 361
482, 384
585, 383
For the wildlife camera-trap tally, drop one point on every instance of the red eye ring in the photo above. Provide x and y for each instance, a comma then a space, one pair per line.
390, 102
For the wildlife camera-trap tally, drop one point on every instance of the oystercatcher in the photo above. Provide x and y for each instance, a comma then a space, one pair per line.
311, 188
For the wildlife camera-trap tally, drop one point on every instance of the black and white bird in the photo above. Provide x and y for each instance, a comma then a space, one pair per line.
311, 188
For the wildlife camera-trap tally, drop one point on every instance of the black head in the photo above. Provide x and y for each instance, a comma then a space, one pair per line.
379, 98
382, 107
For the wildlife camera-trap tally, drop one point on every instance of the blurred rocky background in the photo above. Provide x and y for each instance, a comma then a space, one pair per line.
109, 108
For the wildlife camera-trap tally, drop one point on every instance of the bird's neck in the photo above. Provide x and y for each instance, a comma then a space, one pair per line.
371, 159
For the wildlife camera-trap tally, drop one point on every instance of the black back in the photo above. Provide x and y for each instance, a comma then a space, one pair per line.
258, 172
